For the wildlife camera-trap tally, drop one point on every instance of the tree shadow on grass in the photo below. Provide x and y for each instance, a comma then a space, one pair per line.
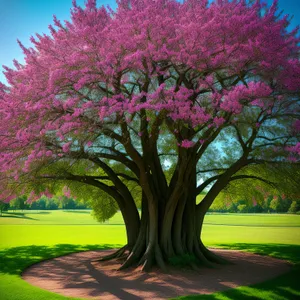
15, 260
283, 287
16, 215
287, 252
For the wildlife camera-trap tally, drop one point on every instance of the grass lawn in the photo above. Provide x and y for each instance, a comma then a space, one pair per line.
26, 238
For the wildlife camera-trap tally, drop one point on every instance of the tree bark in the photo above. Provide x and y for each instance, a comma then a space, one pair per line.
178, 236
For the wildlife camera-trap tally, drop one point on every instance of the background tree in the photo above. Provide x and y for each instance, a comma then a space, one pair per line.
173, 97
19, 203
295, 207
51, 204
3, 207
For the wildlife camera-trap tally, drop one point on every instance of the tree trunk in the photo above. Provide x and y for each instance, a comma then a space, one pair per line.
181, 244
171, 222
132, 223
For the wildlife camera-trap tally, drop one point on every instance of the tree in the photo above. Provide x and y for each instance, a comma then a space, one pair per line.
174, 98
19, 203
51, 204
67, 203
275, 204
3, 207
295, 207
242, 208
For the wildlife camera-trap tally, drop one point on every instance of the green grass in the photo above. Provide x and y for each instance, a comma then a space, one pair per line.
261, 220
55, 217
13, 236
84, 217
29, 237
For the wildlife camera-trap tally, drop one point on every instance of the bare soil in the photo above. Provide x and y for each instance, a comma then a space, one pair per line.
79, 275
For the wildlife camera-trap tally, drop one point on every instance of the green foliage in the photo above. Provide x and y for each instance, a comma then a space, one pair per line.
276, 205
45, 203
67, 203
40, 204
236, 203
51, 204
104, 208
3, 207
19, 203
242, 208
294, 208
279, 181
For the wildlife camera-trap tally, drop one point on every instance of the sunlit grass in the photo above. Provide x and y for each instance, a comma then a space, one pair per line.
54, 217
84, 217
22, 244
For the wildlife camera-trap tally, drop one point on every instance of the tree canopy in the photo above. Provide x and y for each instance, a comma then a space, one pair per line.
159, 99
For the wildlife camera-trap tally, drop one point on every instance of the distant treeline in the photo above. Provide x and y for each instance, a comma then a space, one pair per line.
44, 203
271, 204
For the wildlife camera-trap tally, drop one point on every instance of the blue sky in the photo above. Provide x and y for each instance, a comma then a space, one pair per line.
19, 19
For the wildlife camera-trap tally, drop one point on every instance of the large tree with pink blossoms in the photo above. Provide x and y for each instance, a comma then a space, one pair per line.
176, 98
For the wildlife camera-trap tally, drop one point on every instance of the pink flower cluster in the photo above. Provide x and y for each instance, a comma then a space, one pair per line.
190, 61
186, 144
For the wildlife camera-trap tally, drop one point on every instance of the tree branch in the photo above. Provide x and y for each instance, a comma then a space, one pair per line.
237, 177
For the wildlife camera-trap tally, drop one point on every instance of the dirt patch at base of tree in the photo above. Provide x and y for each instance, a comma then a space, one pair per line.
79, 275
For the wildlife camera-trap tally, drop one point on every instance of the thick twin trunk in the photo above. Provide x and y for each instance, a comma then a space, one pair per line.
175, 239
171, 222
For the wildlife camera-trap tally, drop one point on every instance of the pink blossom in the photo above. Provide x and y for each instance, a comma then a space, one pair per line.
47, 193
66, 147
183, 61
187, 144
219, 121
66, 191
49, 153
292, 159
296, 125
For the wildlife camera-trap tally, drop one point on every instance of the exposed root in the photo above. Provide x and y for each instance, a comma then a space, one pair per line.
159, 259
147, 260
201, 257
194, 267
148, 263
123, 258
134, 256
153, 255
130, 261
214, 257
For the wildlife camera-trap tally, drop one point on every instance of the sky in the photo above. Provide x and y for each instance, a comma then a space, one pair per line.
19, 19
